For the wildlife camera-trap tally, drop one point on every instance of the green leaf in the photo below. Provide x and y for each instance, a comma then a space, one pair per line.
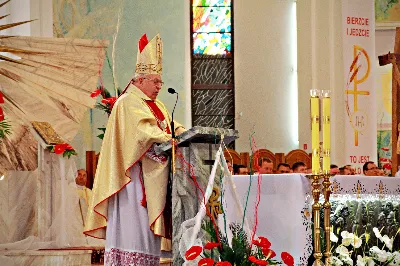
101, 136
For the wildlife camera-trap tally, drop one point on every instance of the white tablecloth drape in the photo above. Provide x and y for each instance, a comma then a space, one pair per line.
281, 218
284, 212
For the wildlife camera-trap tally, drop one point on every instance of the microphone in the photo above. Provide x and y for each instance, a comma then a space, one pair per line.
173, 91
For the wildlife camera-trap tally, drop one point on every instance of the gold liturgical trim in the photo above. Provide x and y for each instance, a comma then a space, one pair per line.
46, 131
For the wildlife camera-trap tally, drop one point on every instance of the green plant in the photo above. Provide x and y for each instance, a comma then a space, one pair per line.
5, 128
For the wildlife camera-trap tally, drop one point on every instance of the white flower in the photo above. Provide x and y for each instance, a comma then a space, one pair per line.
335, 261
342, 251
365, 261
350, 238
356, 242
347, 260
396, 259
333, 237
347, 238
388, 242
378, 254
377, 233
361, 261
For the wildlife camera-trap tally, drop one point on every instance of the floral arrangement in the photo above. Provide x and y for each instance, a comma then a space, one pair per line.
356, 249
63, 148
107, 102
218, 252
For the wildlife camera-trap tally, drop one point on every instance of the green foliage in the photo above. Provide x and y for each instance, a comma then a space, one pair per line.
240, 251
103, 129
69, 153
5, 129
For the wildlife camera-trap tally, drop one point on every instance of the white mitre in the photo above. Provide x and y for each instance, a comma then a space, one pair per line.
149, 57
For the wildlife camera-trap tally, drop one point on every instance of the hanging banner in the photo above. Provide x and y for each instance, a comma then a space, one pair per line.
358, 20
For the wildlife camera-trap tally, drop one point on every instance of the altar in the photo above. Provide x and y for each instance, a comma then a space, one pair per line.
285, 207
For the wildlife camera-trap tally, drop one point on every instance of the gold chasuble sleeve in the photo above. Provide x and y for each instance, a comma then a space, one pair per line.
131, 131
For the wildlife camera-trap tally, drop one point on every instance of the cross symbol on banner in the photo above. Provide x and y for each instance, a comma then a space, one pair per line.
355, 91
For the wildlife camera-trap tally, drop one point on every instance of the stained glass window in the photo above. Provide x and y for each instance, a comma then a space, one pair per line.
211, 19
212, 43
212, 61
212, 3
211, 27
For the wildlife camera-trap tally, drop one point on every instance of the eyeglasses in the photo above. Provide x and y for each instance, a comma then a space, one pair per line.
156, 81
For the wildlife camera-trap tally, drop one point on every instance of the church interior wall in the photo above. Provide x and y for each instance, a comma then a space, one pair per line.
268, 100
327, 73
265, 74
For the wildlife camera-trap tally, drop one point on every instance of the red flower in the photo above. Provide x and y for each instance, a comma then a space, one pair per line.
95, 93
257, 261
385, 149
1, 97
109, 101
262, 242
193, 252
211, 245
223, 263
59, 148
1, 114
387, 166
287, 259
68, 147
269, 253
206, 262
383, 159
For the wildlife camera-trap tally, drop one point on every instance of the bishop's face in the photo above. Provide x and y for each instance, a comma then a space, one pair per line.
150, 85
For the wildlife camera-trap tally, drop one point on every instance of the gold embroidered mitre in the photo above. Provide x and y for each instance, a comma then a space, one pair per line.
149, 57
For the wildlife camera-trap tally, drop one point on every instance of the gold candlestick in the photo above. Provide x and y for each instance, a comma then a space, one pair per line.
326, 131
315, 131
327, 213
316, 214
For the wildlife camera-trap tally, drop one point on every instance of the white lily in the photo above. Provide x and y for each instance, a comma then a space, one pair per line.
342, 251
333, 237
377, 233
356, 242
365, 261
388, 242
347, 238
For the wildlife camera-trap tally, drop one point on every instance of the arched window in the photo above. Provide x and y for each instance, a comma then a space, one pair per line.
212, 63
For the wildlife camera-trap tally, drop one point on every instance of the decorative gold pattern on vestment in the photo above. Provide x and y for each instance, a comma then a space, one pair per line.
149, 61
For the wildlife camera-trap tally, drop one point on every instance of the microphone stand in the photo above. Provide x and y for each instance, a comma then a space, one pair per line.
173, 140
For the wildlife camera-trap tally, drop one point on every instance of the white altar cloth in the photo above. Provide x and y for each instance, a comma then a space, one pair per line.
285, 206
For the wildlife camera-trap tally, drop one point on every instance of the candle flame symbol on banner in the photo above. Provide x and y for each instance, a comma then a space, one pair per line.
354, 78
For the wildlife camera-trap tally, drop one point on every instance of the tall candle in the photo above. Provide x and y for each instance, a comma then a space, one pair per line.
315, 131
326, 131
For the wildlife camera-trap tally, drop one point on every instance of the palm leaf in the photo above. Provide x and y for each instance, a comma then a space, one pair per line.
7, 26
4, 16
4, 3
8, 59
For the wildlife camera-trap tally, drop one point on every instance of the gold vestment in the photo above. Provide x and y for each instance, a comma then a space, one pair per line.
131, 131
